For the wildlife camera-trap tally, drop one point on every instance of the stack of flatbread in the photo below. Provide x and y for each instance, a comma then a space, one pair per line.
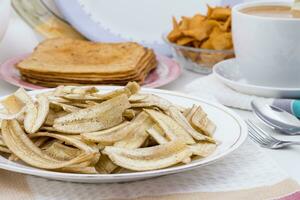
65, 61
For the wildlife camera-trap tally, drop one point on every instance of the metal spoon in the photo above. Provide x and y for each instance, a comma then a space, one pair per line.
276, 118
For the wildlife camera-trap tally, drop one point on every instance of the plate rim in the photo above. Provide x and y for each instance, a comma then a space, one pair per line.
173, 68
135, 175
248, 85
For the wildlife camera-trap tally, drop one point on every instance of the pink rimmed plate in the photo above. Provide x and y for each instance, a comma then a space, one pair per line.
167, 71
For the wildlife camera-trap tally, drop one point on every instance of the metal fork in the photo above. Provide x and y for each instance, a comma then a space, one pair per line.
264, 139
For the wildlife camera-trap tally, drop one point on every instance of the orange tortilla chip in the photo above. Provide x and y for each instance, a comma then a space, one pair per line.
222, 41
185, 40
220, 13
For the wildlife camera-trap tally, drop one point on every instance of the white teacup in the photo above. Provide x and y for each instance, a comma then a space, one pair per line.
267, 48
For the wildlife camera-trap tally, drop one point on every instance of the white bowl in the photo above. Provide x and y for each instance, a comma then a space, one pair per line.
4, 16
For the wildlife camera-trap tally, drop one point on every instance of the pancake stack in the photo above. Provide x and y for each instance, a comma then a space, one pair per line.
65, 61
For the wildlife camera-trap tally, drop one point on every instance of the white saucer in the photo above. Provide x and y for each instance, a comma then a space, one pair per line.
227, 72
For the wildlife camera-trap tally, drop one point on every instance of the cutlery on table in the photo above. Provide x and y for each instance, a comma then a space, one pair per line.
264, 139
276, 117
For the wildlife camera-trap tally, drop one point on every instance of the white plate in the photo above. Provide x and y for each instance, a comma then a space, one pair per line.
227, 72
231, 132
143, 21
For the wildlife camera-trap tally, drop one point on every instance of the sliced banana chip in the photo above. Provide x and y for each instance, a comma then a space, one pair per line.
151, 100
13, 105
35, 115
138, 134
63, 90
130, 89
109, 136
182, 121
105, 165
65, 107
98, 117
4, 149
202, 123
18, 142
150, 158
170, 127
66, 138
157, 134
62, 152
203, 149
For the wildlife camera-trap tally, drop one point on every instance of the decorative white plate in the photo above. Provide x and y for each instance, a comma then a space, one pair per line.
142, 21
231, 133
227, 72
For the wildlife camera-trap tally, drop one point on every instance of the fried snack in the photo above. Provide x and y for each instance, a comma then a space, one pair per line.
210, 32
149, 158
94, 118
170, 128
196, 31
66, 61
81, 130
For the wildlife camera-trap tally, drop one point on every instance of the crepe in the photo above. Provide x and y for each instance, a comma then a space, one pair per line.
75, 62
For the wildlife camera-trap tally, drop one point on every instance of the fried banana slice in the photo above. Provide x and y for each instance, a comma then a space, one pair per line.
74, 142
35, 115
66, 138
62, 152
150, 100
102, 116
13, 105
12, 116
134, 140
203, 149
109, 136
105, 165
157, 134
130, 89
170, 127
202, 123
149, 158
182, 121
138, 134
18, 143
57, 106
117, 133
4, 149
63, 90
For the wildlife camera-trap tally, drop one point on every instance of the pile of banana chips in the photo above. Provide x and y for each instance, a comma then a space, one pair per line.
83, 130
66, 61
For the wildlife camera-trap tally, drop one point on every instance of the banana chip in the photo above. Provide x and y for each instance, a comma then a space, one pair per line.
24, 148
202, 123
150, 158
98, 117
171, 129
157, 134
35, 114
62, 152
182, 121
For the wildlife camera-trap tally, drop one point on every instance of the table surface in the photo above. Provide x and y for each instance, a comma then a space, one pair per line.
20, 39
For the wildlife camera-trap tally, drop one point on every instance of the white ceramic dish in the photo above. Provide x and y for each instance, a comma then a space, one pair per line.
228, 72
231, 132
